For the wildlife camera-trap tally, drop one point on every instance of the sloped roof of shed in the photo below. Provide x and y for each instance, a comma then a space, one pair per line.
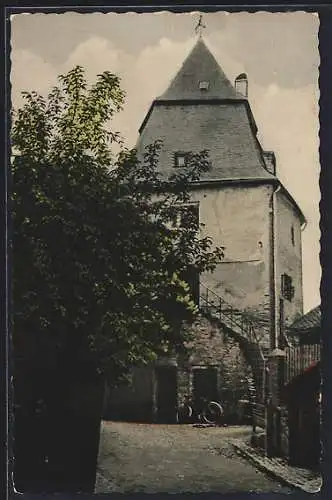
308, 321
200, 65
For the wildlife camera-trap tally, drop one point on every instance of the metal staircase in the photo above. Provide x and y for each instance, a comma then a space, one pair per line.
243, 328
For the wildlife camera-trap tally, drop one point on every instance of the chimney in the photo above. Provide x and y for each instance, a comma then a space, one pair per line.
241, 84
270, 161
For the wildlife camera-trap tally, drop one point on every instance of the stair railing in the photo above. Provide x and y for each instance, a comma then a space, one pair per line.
233, 318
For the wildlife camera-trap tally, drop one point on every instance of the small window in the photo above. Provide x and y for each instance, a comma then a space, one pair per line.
203, 85
180, 159
186, 216
287, 288
189, 215
292, 236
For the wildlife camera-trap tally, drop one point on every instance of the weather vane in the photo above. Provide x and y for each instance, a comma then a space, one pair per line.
200, 26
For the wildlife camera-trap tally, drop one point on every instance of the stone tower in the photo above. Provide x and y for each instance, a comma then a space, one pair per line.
242, 203
245, 209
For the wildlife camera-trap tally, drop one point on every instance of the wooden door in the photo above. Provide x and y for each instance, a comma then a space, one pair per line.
304, 436
309, 436
205, 386
166, 394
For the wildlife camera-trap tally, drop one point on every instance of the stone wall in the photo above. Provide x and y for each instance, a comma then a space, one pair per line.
208, 344
184, 384
237, 218
132, 401
289, 256
208, 348
284, 430
212, 348
278, 435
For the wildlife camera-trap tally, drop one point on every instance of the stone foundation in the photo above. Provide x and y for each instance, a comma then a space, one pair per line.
284, 429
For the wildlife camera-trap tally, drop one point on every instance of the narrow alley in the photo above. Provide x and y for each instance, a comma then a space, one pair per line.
148, 458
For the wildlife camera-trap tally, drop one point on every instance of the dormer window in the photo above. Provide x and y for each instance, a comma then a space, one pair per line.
180, 159
203, 85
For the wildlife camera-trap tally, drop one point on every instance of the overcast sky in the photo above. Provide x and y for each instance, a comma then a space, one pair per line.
279, 52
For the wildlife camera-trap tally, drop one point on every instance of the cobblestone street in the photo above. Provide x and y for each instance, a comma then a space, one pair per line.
175, 459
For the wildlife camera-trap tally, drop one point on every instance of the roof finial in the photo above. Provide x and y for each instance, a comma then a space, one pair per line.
200, 26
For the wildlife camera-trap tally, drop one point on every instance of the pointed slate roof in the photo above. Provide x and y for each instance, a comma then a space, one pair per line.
200, 65
218, 119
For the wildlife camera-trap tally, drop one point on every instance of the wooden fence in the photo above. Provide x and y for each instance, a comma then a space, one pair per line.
299, 358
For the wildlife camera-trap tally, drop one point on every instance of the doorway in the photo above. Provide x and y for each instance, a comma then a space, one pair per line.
205, 385
166, 377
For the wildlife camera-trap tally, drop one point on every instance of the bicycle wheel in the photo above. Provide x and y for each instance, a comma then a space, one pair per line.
184, 414
212, 413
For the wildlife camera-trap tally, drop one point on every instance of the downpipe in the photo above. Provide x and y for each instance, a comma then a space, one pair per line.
274, 256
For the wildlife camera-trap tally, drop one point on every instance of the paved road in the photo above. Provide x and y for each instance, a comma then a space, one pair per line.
175, 459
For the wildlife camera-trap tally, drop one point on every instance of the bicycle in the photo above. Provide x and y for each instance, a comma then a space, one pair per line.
210, 412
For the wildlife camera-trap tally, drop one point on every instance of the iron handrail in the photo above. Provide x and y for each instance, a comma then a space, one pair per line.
230, 315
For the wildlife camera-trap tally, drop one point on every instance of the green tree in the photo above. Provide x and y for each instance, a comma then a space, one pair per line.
98, 259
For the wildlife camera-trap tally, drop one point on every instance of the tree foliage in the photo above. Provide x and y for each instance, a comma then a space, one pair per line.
98, 258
